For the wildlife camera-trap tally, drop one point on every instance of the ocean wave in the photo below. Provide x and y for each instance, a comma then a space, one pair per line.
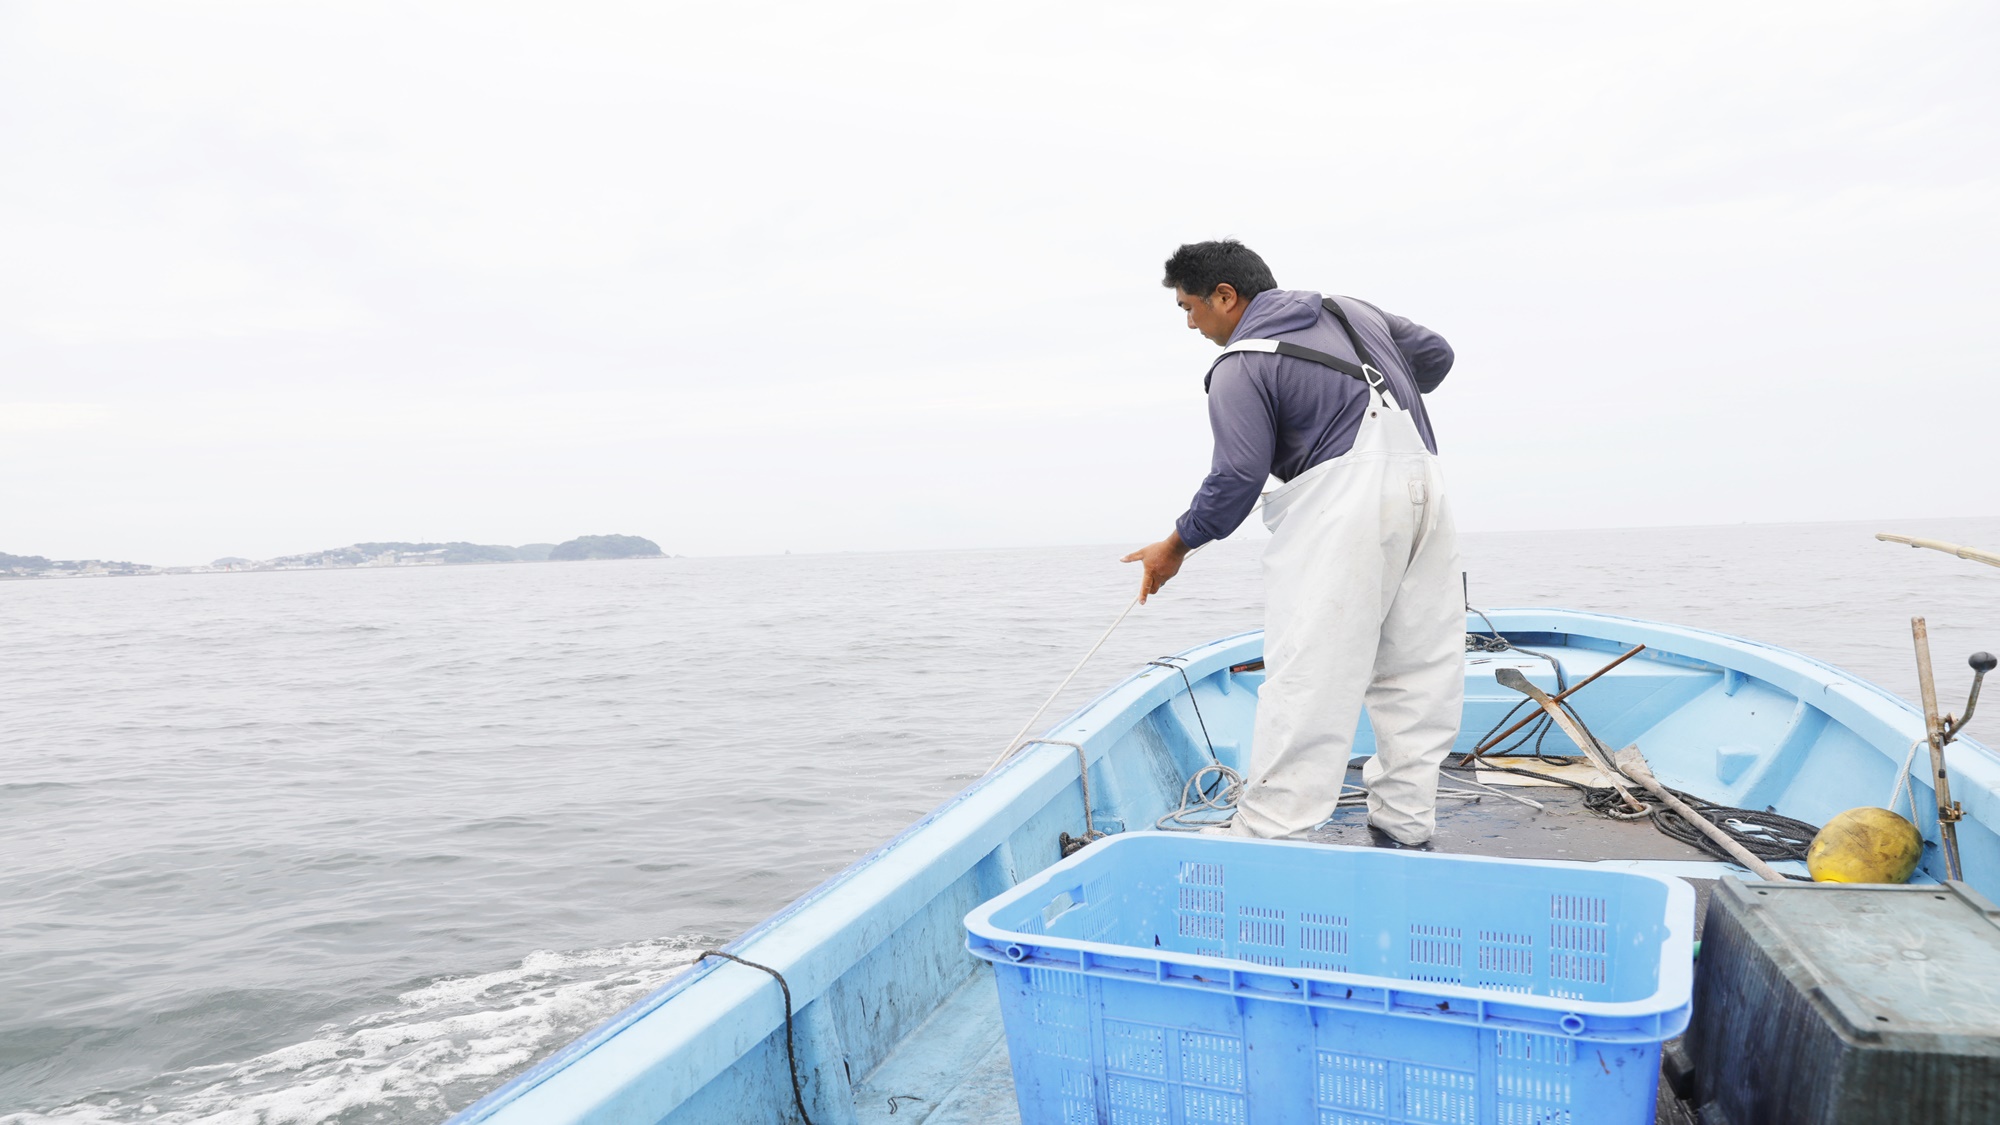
436, 1051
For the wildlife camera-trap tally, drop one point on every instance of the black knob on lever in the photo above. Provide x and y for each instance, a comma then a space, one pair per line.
1982, 663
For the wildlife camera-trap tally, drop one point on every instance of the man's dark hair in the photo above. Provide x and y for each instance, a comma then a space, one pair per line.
1198, 267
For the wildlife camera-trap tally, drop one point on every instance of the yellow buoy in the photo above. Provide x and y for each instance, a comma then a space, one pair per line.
1865, 846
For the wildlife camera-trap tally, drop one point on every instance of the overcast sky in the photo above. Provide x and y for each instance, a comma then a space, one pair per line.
756, 277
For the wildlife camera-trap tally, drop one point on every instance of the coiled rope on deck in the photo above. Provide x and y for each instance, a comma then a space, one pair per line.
1764, 834
1201, 799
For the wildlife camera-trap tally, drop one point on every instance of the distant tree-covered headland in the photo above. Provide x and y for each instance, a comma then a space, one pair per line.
36, 566
378, 554
605, 547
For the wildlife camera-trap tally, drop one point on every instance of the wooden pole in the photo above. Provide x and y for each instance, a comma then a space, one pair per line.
1973, 553
1635, 767
1947, 809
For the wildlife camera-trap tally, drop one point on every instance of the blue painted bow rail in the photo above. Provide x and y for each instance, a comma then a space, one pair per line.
897, 1023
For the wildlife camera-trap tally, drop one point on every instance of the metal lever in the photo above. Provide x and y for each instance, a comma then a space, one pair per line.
1981, 663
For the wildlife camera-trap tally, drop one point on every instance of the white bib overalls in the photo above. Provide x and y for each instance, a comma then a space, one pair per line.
1362, 606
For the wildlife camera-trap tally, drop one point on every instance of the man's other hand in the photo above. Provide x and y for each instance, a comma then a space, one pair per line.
1162, 561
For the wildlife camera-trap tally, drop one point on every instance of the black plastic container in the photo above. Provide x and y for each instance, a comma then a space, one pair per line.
1817, 1003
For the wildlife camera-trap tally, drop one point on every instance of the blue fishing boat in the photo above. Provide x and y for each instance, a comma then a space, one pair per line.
860, 1002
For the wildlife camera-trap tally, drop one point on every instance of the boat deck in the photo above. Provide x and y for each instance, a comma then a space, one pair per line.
1493, 825
954, 1069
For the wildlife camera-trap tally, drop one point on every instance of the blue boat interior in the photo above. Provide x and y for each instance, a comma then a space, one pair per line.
895, 1022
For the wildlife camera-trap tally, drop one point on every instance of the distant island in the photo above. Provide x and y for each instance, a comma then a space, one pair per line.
35, 566
352, 556
603, 547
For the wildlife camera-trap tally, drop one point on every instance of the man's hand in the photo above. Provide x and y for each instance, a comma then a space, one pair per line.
1162, 561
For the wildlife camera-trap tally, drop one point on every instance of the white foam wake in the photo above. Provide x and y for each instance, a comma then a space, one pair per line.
437, 1051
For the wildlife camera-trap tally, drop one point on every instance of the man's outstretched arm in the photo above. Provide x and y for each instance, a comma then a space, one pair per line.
1245, 437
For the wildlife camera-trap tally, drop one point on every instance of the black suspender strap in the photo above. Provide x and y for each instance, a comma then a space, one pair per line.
1353, 337
1366, 371
1327, 359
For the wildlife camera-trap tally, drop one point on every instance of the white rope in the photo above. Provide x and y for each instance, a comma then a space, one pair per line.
1014, 743
1499, 792
1194, 802
1903, 780
1090, 832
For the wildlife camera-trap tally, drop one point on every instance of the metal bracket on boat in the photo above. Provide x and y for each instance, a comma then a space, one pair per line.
1545, 701
1069, 844
1939, 731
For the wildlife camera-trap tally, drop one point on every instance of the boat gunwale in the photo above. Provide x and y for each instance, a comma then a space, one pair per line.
1199, 662
1870, 711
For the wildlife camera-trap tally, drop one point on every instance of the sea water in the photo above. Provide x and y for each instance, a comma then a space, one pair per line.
355, 846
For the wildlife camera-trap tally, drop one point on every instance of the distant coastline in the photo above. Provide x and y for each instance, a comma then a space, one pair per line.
351, 557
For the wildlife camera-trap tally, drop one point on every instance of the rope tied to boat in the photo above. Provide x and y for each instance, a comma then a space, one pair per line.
1073, 844
1016, 742
1903, 780
791, 1050
1168, 662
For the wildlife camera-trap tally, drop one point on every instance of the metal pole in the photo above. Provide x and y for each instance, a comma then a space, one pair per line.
1948, 811
1497, 739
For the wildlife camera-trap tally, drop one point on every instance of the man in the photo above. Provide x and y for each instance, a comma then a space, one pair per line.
1361, 577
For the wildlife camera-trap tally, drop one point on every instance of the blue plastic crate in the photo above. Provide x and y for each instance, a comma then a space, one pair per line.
1168, 979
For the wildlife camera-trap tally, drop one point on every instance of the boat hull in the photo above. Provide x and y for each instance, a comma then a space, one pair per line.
888, 1003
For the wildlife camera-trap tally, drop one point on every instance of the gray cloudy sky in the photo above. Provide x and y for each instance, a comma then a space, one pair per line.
752, 277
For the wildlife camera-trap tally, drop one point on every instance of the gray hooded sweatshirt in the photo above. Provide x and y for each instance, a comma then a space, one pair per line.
1276, 416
